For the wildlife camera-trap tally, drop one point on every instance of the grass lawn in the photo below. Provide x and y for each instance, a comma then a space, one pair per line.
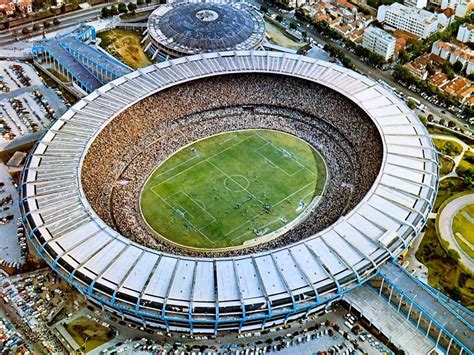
450, 148
86, 331
445, 274
229, 188
447, 165
466, 163
463, 229
447, 188
277, 36
125, 45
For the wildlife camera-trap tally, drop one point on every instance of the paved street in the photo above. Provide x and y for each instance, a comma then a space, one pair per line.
9, 248
445, 224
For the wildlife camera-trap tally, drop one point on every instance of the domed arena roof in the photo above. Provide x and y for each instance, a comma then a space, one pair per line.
189, 27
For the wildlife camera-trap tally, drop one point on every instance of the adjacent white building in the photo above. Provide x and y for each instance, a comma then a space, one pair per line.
379, 41
461, 7
454, 53
466, 33
420, 4
410, 19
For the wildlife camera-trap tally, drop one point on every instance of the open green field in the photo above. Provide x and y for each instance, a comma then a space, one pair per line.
89, 334
448, 147
224, 190
125, 45
463, 229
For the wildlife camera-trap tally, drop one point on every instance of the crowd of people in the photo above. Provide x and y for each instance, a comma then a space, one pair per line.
127, 150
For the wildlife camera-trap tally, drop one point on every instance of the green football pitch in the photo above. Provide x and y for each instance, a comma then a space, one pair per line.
233, 187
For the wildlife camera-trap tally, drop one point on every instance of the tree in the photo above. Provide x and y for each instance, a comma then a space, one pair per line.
131, 7
264, 8
279, 18
451, 124
46, 24
148, 2
122, 8
430, 117
25, 31
36, 27
453, 256
442, 121
411, 104
468, 181
458, 67
114, 11
140, 2
105, 12
62, 9
293, 25
56, 21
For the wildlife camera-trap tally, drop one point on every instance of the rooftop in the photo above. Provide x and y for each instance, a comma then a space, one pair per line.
191, 27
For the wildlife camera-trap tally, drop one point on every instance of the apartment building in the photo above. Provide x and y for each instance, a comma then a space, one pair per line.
379, 41
419, 22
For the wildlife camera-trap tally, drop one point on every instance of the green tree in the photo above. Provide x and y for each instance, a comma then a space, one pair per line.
25, 31
458, 67
293, 25
140, 2
411, 104
46, 24
105, 12
122, 8
56, 21
36, 27
132, 7
62, 9
264, 8
114, 11
453, 256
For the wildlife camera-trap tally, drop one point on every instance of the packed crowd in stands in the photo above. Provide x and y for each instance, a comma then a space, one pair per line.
127, 150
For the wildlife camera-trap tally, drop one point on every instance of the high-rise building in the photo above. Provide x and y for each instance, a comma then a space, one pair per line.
379, 41
466, 33
410, 19
420, 4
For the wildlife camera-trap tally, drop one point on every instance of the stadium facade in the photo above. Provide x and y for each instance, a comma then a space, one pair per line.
189, 27
243, 292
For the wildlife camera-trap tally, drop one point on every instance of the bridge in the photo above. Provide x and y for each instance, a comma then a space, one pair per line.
421, 310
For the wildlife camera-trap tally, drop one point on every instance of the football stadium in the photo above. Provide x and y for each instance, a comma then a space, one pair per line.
228, 191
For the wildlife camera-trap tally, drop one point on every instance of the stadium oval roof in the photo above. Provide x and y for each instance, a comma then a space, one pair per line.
109, 267
190, 27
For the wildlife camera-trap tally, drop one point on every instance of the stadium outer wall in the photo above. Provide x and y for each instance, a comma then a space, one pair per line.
208, 295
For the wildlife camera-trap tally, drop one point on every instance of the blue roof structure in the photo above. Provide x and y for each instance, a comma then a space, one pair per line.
88, 66
191, 27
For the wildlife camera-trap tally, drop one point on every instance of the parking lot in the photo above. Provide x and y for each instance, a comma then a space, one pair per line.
34, 300
26, 104
13, 248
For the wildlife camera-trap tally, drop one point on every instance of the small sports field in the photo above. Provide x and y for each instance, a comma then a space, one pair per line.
233, 187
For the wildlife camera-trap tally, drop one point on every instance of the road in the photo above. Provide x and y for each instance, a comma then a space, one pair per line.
458, 324
445, 225
67, 20
364, 68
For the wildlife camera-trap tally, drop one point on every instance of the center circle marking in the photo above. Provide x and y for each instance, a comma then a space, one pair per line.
236, 183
